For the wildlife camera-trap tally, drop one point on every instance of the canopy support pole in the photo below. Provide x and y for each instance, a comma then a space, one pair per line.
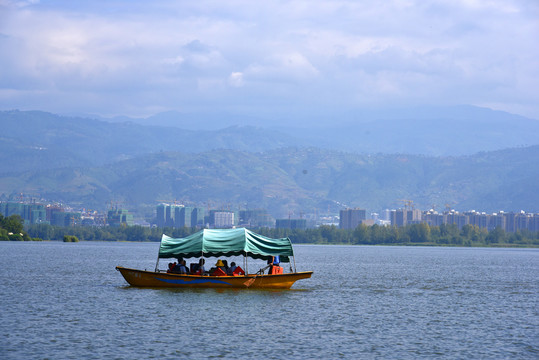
294, 258
245, 263
158, 251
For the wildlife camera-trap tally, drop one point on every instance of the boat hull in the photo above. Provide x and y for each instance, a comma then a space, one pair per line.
144, 278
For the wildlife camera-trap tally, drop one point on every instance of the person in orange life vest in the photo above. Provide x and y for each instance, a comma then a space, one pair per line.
219, 269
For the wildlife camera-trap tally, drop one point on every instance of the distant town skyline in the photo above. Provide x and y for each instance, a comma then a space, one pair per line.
274, 60
180, 216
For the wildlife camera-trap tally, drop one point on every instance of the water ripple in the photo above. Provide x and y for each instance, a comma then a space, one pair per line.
380, 302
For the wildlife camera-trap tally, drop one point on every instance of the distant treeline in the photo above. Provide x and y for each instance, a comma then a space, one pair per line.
416, 234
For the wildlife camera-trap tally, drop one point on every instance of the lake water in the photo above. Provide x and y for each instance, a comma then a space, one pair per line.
66, 301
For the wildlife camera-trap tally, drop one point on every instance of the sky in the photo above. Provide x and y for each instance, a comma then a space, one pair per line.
271, 59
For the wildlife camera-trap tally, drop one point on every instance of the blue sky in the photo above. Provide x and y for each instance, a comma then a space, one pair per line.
280, 59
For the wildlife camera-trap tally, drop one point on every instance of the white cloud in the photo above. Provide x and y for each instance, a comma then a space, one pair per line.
236, 79
131, 56
282, 67
178, 60
18, 4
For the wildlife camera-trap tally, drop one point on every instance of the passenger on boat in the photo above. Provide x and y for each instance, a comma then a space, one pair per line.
219, 269
225, 264
172, 266
275, 266
268, 266
201, 269
273, 263
221, 265
231, 268
182, 268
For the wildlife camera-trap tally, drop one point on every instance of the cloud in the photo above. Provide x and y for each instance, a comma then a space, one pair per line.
133, 57
282, 67
18, 4
236, 79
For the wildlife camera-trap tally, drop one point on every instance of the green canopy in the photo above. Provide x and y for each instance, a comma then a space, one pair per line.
225, 242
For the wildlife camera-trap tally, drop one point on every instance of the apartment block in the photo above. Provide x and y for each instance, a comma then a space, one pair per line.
351, 218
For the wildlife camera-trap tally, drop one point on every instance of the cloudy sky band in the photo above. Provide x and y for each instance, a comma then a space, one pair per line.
274, 58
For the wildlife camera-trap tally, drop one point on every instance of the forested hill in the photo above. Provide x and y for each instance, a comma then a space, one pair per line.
32, 140
35, 140
293, 180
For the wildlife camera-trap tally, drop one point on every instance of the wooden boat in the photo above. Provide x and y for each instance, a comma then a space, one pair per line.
162, 279
217, 243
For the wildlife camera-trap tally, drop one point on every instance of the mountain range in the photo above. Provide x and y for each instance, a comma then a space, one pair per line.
287, 171
435, 131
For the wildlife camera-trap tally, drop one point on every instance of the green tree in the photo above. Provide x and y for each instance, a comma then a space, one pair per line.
13, 224
71, 238
419, 233
496, 236
361, 234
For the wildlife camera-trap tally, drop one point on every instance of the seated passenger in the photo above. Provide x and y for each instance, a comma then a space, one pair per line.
231, 268
183, 268
180, 268
221, 265
201, 269
218, 269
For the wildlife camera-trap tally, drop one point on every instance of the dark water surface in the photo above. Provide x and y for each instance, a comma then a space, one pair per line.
66, 301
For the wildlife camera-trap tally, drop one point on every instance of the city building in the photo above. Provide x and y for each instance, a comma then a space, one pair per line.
403, 217
169, 215
179, 216
120, 217
182, 216
31, 213
221, 219
160, 219
256, 218
509, 222
197, 217
351, 218
300, 224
